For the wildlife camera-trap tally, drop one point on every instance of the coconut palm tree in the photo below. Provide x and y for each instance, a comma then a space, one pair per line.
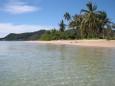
77, 19
73, 23
89, 21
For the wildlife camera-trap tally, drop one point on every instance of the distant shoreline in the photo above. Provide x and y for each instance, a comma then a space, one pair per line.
89, 43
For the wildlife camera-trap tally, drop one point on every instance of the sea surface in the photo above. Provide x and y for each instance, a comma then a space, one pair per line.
32, 64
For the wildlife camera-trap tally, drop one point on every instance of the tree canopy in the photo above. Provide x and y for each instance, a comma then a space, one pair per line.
88, 24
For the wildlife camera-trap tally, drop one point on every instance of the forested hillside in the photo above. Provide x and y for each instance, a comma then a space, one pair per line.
24, 36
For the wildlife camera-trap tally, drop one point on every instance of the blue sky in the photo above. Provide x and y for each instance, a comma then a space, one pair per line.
17, 16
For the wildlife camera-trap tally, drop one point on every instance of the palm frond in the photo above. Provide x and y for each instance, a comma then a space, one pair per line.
67, 16
94, 7
89, 5
85, 11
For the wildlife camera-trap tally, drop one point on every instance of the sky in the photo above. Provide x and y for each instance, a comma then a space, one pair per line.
18, 16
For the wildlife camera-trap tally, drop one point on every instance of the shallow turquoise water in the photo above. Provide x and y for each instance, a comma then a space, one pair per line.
27, 64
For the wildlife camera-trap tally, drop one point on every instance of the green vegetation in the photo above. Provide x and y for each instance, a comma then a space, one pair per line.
24, 36
89, 24
62, 26
57, 35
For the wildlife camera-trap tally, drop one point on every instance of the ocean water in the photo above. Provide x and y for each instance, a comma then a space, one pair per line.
31, 64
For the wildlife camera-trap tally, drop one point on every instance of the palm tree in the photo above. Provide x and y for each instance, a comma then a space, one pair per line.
72, 24
89, 21
104, 21
76, 21
62, 26
67, 16
108, 32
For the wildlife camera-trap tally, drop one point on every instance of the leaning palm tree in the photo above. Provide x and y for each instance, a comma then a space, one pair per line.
77, 19
75, 22
89, 25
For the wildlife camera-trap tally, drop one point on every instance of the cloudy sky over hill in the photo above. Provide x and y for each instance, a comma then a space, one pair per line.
31, 15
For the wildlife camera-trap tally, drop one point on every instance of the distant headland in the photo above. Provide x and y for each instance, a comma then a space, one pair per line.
23, 36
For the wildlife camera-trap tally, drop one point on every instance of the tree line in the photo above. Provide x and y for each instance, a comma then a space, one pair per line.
88, 24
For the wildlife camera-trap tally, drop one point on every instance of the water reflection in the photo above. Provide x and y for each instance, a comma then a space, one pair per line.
88, 65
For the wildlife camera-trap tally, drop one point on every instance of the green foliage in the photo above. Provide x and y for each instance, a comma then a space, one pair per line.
57, 35
50, 35
24, 36
67, 16
90, 24
62, 26
113, 26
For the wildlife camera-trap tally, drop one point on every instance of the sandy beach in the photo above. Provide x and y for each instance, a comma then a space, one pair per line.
90, 43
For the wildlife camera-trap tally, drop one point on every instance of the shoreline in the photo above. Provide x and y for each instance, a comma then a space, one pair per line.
87, 43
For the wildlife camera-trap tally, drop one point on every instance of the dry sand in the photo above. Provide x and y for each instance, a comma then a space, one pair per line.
91, 43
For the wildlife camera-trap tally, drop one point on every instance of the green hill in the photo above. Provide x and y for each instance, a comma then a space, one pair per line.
24, 36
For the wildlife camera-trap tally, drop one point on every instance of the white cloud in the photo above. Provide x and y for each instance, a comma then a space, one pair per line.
19, 7
6, 28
